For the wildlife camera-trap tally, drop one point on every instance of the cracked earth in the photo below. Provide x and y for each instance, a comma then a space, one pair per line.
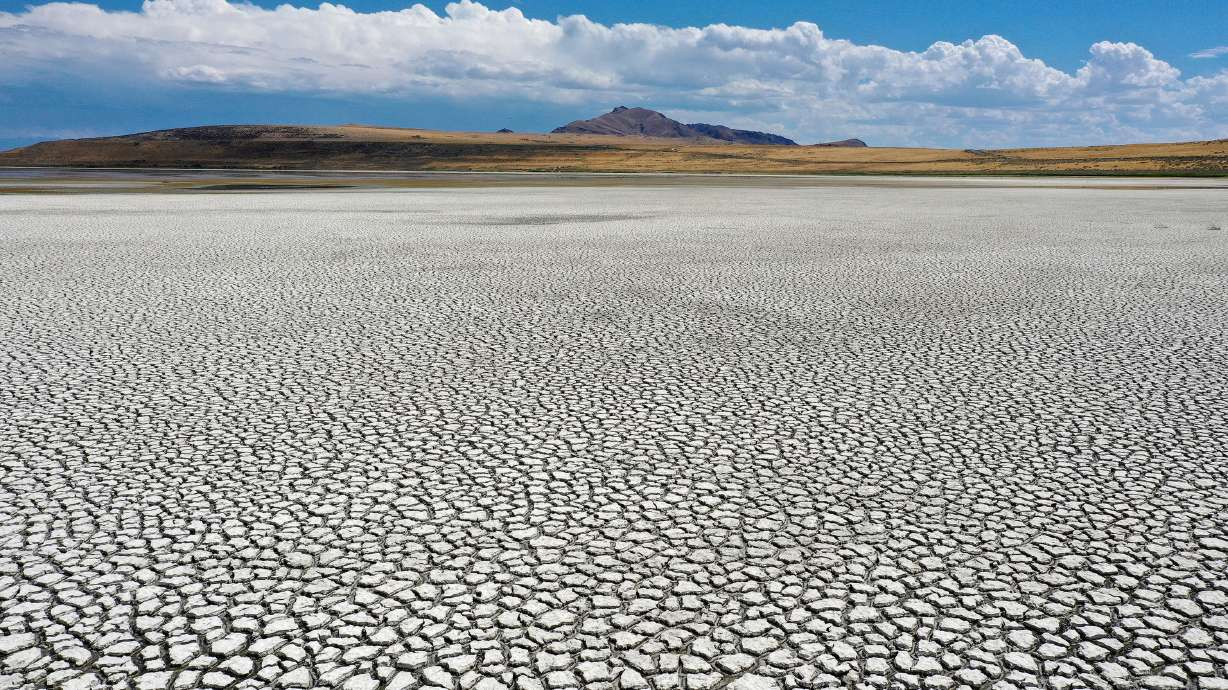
623, 438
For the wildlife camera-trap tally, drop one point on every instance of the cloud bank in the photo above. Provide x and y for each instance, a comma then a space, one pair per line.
795, 80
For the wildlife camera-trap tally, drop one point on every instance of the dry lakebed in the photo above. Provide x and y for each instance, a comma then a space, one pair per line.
654, 434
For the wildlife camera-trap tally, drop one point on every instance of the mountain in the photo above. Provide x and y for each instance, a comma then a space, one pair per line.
624, 121
845, 143
741, 136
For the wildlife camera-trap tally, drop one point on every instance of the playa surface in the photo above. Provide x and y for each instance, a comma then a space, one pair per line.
631, 436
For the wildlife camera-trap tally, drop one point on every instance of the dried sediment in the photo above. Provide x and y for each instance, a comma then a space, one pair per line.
615, 438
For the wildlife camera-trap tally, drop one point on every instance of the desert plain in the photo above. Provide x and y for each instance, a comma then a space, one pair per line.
700, 435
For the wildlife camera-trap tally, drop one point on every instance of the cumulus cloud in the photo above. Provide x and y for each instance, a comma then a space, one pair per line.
796, 79
1124, 66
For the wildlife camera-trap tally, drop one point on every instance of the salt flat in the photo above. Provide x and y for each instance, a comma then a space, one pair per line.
669, 437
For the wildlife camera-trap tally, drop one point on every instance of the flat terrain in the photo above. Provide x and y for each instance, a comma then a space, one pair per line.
357, 147
655, 436
23, 181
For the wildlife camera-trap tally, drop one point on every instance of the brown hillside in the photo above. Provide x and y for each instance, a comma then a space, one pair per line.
357, 147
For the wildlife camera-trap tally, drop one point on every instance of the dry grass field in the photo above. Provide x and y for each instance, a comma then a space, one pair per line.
357, 147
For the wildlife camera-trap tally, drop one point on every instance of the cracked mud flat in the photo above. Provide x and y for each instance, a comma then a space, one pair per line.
646, 438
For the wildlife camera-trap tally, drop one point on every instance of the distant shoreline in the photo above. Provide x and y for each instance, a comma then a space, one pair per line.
585, 173
52, 180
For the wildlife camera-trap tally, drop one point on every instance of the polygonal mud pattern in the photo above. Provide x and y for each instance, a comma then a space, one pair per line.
670, 438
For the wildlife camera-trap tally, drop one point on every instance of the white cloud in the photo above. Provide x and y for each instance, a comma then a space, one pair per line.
796, 79
1209, 53
1124, 66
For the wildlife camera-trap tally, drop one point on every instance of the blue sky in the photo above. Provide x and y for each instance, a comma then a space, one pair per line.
1001, 74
